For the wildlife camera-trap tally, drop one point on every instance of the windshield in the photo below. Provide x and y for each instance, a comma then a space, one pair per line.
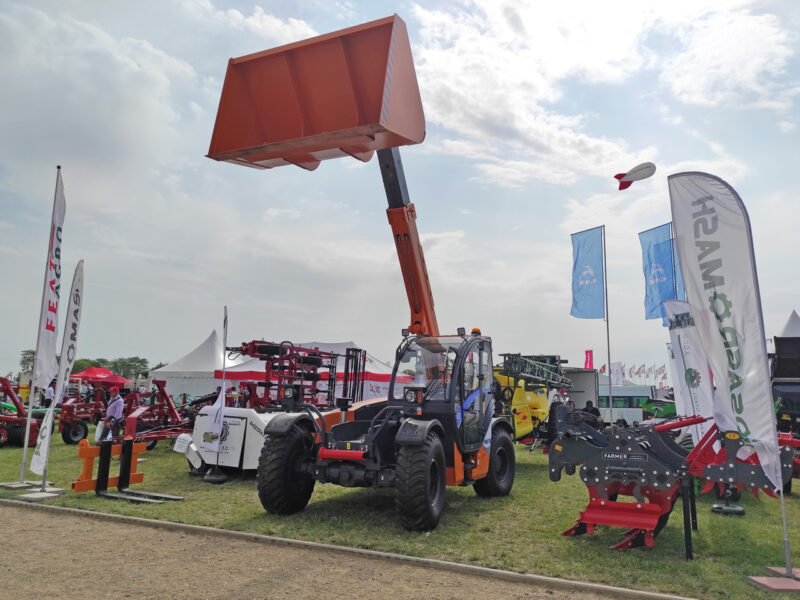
427, 362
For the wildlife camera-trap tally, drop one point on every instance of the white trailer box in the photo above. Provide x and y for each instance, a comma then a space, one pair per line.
241, 439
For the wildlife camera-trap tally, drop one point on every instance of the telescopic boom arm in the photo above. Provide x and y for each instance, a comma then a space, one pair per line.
403, 220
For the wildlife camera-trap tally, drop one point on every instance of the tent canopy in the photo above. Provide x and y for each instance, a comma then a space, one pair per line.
93, 374
117, 380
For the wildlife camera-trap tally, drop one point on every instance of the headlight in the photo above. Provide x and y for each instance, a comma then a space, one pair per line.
411, 396
288, 393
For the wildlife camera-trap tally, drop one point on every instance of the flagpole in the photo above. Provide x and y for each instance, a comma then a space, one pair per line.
673, 258
38, 338
214, 475
608, 334
224, 356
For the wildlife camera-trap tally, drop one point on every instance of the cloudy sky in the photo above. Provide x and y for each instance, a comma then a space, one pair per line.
531, 108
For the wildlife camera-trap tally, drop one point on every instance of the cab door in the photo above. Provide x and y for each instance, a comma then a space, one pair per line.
475, 402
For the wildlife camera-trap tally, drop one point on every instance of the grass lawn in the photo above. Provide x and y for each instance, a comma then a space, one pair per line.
518, 533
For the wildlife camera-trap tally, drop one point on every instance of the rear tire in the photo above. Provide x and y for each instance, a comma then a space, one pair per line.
282, 488
420, 484
16, 435
74, 432
502, 467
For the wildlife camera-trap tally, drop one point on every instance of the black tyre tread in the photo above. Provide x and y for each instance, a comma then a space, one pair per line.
74, 432
412, 498
16, 435
280, 490
491, 486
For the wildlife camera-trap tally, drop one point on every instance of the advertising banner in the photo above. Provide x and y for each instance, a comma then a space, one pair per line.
715, 249
691, 377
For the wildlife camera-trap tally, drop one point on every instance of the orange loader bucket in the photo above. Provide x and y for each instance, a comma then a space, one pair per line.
350, 92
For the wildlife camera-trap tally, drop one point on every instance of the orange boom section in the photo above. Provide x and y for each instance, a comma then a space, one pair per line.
350, 92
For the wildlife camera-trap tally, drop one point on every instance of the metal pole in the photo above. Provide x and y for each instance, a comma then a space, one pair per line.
608, 335
224, 356
786, 548
673, 258
48, 423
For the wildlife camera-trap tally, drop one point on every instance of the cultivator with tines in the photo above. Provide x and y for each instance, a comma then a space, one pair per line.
644, 463
294, 375
720, 472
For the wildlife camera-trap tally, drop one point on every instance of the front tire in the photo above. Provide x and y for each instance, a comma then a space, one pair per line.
502, 467
420, 484
282, 488
74, 432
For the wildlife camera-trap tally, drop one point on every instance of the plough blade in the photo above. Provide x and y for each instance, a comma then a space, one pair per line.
636, 539
634, 515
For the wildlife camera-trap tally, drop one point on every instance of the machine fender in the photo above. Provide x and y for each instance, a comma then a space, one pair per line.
282, 423
414, 431
502, 423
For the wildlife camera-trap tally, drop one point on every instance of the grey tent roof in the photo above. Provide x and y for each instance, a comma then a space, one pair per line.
792, 327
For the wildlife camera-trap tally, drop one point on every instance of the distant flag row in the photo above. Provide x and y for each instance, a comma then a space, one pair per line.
633, 371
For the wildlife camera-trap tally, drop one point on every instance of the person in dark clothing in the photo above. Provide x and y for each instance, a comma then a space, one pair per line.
591, 409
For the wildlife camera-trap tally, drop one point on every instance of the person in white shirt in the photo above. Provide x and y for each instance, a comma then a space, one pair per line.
113, 419
49, 394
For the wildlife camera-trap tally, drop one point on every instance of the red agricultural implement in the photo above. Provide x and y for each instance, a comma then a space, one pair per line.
643, 463
77, 413
13, 417
154, 418
305, 375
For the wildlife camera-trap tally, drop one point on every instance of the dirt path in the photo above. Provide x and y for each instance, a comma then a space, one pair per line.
78, 557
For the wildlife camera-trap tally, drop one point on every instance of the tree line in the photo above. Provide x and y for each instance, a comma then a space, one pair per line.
129, 367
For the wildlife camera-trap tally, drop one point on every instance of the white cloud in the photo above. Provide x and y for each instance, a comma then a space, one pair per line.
258, 22
730, 58
494, 74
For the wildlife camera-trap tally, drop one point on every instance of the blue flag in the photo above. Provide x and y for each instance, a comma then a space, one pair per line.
588, 295
660, 269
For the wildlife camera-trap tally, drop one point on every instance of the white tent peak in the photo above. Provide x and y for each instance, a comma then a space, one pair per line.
208, 355
194, 373
792, 327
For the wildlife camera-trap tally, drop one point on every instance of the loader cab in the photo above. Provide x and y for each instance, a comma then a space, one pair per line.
448, 378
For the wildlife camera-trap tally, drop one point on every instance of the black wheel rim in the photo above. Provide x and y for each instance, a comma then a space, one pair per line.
76, 432
501, 464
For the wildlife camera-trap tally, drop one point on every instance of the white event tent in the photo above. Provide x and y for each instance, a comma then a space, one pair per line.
194, 373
